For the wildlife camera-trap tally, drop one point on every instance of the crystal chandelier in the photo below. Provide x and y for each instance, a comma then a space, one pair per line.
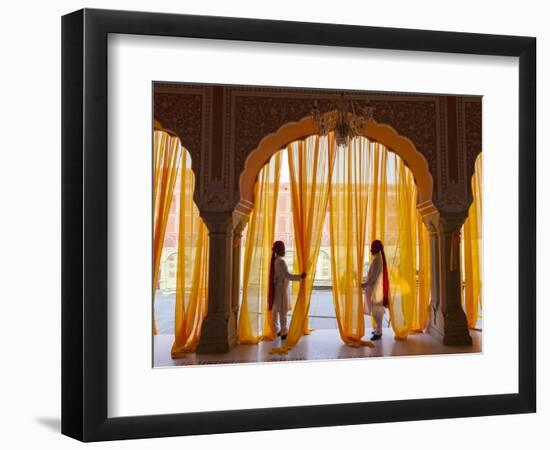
345, 121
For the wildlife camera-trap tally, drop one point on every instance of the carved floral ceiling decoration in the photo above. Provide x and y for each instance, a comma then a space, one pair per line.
222, 125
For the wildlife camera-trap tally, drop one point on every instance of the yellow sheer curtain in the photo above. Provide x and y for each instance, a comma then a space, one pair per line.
372, 195
423, 288
167, 151
192, 269
472, 251
254, 311
381, 190
377, 198
377, 193
348, 202
401, 249
310, 163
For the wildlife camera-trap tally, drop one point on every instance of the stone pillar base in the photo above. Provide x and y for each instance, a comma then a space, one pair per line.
217, 334
448, 322
463, 339
456, 329
436, 326
219, 328
449, 329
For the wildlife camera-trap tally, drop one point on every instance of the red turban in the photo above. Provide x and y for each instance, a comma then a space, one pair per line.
278, 248
378, 247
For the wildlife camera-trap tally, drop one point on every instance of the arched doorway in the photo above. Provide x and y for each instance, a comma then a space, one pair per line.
246, 116
397, 257
292, 131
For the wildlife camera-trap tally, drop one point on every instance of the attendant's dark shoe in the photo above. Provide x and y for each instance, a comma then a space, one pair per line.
375, 337
278, 333
283, 336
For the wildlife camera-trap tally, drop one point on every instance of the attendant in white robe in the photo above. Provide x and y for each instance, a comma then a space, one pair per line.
376, 287
278, 295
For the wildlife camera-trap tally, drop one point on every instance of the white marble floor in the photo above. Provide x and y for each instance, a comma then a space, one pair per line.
319, 345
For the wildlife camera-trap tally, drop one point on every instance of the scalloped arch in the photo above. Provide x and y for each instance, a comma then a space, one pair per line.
157, 126
292, 131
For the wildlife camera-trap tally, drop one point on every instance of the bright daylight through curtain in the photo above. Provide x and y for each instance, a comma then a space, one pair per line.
180, 247
371, 195
356, 194
328, 224
255, 321
472, 266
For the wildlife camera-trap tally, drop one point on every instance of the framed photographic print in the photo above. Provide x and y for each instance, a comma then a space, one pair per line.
274, 225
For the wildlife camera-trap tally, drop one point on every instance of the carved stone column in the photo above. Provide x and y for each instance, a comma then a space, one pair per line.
218, 333
447, 318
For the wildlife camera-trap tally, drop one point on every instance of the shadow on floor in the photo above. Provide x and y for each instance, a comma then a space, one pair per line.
52, 423
319, 345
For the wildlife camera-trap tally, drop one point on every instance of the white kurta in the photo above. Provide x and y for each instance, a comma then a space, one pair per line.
281, 297
373, 302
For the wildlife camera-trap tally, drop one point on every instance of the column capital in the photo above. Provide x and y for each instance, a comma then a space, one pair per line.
451, 221
218, 221
225, 221
442, 221
240, 219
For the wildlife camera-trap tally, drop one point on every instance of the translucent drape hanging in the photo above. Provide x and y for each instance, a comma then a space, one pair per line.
348, 203
192, 269
167, 151
310, 164
395, 220
377, 198
373, 196
420, 320
401, 249
472, 251
255, 321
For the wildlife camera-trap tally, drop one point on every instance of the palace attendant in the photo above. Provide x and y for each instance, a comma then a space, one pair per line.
377, 288
278, 296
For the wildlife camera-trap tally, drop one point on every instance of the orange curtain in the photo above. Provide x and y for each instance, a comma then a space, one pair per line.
348, 201
472, 252
377, 198
310, 164
372, 195
167, 153
378, 191
381, 189
192, 269
421, 317
394, 219
402, 263
255, 322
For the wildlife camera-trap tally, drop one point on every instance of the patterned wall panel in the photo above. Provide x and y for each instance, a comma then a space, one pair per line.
222, 125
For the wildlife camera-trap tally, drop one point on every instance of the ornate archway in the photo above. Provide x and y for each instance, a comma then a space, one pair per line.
292, 131
231, 131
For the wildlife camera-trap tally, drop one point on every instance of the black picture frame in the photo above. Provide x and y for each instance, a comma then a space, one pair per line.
84, 224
